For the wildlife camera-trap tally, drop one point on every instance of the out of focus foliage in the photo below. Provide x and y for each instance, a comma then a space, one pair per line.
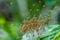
9, 29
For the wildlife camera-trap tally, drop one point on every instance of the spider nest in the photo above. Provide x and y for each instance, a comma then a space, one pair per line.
34, 24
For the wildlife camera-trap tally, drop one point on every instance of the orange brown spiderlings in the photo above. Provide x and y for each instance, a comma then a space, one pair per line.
33, 24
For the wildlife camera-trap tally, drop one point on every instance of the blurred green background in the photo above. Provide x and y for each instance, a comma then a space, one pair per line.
14, 12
